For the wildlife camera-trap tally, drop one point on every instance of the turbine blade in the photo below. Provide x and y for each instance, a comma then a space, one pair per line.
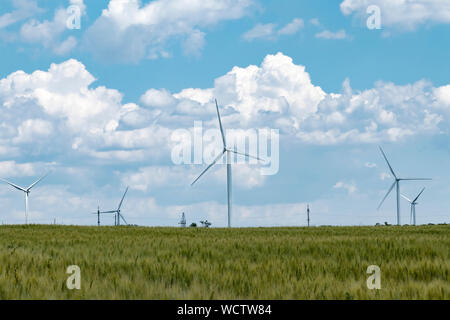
121, 201
115, 211
419, 195
387, 161
406, 198
39, 180
247, 155
220, 124
415, 179
124, 219
389, 191
213, 163
13, 185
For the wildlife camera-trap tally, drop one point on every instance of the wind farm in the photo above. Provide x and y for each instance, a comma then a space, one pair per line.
289, 256
224, 150
228, 153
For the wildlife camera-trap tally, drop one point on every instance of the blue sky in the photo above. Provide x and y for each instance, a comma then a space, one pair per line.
98, 106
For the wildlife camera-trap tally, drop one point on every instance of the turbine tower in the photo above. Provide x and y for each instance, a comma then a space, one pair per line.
183, 221
397, 185
118, 211
27, 192
98, 213
307, 212
228, 153
412, 218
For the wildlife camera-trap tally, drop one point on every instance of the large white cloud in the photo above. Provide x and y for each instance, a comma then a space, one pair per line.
278, 87
279, 94
61, 111
58, 109
402, 14
129, 30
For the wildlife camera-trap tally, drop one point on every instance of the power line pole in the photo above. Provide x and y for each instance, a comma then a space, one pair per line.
307, 211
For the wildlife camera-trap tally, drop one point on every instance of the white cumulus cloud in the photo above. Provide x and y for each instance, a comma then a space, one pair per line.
130, 31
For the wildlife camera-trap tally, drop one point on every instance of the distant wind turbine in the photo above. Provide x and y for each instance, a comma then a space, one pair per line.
228, 153
307, 212
412, 218
27, 192
98, 213
118, 211
397, 185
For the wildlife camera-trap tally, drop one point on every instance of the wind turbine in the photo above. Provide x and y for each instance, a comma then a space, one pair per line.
228, 153
307, 212
98, 213
27, 192
397, 185
117, 212
412, 218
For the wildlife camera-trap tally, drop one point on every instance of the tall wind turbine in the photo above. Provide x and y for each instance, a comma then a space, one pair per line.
412, 218
27, 192
397, 185
118, 212
228, 153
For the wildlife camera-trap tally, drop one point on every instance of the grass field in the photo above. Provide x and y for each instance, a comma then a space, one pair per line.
260, 263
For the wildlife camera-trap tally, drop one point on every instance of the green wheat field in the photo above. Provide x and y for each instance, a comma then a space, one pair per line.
254, 263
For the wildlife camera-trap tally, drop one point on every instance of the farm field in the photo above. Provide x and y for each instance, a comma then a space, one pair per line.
254, 263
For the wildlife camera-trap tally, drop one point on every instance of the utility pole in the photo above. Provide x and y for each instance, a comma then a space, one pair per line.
307, 211
98, 216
